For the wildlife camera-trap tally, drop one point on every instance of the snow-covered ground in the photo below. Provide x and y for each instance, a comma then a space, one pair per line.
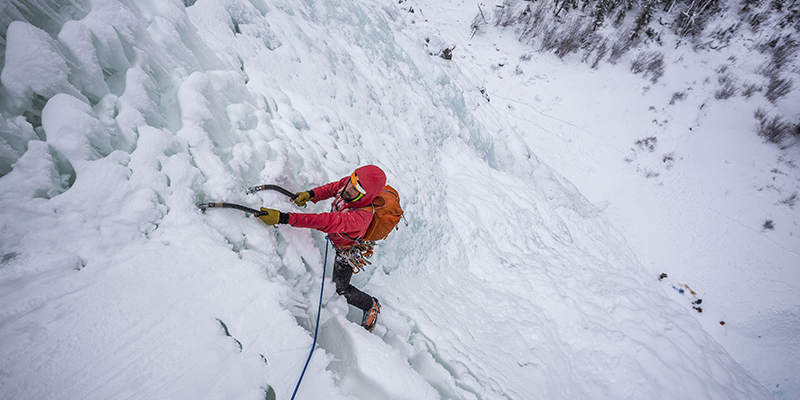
692, 201
509, 279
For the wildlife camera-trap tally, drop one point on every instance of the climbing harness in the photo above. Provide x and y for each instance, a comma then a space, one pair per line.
356, 256
319, 311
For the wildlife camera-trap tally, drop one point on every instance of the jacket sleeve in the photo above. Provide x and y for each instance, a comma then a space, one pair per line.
328, 190
353, 223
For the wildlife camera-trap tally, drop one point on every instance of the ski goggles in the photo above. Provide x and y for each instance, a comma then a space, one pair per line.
356, 184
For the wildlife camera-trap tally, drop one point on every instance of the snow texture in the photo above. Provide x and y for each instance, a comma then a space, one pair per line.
504, 281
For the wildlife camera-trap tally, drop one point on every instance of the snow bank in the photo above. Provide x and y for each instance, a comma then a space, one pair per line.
34, 68
504, 283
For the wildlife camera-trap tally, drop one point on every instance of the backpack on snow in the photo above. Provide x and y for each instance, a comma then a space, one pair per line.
386, 213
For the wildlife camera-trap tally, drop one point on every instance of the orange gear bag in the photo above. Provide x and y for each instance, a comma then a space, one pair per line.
386, 213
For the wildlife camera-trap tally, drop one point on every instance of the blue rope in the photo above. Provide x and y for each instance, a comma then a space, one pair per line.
319, 311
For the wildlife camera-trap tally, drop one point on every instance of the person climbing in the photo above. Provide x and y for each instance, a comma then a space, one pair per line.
346, 226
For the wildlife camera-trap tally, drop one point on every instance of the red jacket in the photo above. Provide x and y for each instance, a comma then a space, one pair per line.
345, 222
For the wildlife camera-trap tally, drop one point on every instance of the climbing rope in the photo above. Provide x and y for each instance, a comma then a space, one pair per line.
319, 311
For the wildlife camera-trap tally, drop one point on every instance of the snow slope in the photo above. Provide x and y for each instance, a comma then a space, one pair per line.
119, 117
685, 177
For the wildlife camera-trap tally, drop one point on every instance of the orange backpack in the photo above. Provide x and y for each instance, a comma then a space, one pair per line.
386, 213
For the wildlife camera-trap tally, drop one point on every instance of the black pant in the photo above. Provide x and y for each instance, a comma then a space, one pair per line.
341, 278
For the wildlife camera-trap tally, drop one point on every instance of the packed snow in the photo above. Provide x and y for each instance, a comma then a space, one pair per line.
526, 267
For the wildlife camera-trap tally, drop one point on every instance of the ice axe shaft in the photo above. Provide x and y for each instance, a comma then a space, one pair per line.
205, 206
276, 188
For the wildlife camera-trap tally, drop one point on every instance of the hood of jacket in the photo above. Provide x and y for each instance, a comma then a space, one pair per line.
373, 180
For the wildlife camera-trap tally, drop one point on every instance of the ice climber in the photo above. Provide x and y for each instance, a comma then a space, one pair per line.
346, 226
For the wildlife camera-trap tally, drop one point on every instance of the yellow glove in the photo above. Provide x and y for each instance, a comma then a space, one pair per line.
272, 217
303, 198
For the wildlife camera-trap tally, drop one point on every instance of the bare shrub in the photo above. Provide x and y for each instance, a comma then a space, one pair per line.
620, 18
784, 52
625, 41
724, 36
760, 113
693, 18
573, 38
727, 88
505, 15
645, 16
596, 45
655, 68
549, 38
601, 51
768, 225
725, 92
774, 130
532, 21
649, 143
791, 200
677, 96
589, 47
566, 5
479, 23
649, 62
777, 88
601, 11
748, 5
648, 173
750, 89
777, 4
755, 20
668, 160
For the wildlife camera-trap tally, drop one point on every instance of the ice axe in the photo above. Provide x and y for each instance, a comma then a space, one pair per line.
250, 190
276, 188
206, 206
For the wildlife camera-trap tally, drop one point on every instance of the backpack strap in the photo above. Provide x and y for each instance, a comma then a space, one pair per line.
360, 239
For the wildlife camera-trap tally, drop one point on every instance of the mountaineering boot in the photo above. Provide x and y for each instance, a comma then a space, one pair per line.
371, 315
